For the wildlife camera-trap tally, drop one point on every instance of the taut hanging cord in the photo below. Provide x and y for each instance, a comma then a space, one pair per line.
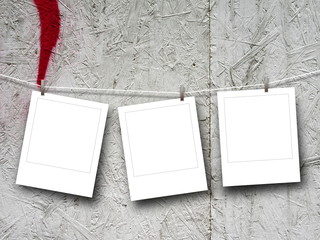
166, 93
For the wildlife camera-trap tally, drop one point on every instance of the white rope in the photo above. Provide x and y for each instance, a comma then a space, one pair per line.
189, 93
288, 79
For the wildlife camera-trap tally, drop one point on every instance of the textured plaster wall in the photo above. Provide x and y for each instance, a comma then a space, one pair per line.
159, 45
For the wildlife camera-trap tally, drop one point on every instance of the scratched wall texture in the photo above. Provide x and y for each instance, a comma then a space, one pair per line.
159, 45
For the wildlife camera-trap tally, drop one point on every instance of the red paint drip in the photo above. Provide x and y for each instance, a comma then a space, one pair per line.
50, 27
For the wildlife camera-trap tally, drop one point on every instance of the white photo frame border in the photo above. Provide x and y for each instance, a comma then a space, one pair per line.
260, 171
33, 173
160, 184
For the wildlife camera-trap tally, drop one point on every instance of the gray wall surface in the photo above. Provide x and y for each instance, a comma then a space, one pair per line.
159, 45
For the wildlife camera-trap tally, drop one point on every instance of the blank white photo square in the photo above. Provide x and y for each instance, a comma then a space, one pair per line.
162, 147
258, 137
62, 144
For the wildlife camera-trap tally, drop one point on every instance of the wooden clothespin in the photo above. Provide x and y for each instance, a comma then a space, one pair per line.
266, 84
182, 91
42, 87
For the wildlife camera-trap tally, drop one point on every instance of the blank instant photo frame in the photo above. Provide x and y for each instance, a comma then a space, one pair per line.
162, 148
258, 137
62, 144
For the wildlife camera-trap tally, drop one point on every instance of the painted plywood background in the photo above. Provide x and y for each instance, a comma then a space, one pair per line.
159, 45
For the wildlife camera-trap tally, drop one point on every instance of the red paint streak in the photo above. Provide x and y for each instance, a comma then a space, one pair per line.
50, 27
